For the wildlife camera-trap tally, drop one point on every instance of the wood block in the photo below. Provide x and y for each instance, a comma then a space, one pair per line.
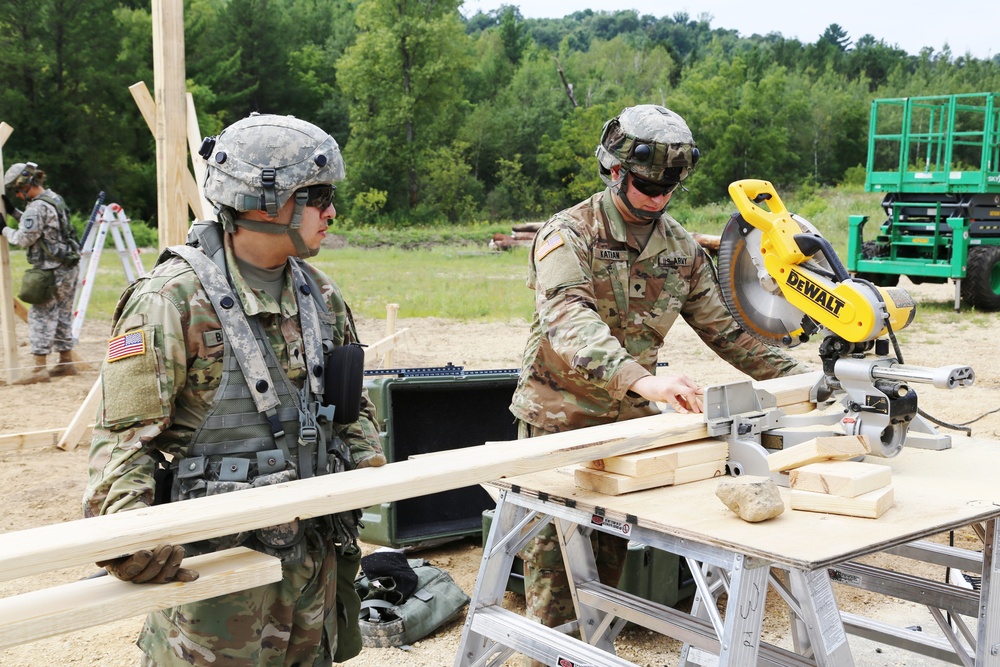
839, 447
869, 505
664, 459
847, 479
613, 484
88, 602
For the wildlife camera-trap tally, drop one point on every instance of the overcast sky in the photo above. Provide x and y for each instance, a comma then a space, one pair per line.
967, 26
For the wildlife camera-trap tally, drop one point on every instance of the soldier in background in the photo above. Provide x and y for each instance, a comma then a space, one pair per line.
611, 275
217, 377
53, 250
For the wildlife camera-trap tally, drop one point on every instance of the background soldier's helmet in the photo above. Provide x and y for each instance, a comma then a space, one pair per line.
258, 163
650, 141
22, 174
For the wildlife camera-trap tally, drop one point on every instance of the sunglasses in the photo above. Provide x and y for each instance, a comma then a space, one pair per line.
320, 195
651, 189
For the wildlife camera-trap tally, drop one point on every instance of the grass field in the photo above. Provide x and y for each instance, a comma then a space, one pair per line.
449, 272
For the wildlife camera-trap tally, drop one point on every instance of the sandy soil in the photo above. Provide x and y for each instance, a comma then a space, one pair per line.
43, 485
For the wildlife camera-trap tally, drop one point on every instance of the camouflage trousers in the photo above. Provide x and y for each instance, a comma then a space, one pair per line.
290, 623
546, 585
50, 324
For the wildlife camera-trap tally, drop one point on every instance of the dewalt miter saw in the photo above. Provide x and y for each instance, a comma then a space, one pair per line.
784, 283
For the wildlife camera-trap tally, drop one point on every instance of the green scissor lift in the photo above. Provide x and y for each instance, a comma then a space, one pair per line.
937, 161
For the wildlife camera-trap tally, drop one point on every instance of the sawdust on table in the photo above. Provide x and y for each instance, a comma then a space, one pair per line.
44, 485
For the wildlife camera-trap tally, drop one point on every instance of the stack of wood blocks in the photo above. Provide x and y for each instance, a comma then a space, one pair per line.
664, 466
822, 479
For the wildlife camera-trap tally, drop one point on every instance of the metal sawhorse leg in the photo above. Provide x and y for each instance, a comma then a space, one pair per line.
492, 634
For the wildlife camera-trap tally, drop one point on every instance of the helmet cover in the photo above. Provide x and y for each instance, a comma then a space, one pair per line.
258, 162
650, 141
22, 174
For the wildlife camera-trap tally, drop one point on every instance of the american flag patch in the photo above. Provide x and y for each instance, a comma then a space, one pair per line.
128, 345
549, 245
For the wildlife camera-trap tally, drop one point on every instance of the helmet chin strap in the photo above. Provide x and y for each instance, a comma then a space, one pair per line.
620, 188
292, 229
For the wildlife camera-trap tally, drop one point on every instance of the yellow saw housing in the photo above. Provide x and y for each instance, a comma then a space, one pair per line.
857, 311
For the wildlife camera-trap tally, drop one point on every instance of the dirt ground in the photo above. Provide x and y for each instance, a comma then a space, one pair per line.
43, 485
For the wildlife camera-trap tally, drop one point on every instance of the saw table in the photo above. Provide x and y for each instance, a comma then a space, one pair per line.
798, 553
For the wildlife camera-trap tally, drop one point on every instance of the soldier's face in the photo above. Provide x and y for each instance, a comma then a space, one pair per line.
638, 199
314, 224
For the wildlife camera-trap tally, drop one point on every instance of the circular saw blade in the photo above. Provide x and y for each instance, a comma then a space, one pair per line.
758, 306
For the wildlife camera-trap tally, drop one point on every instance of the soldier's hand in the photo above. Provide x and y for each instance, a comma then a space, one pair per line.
3, 221
679, 391
157, 566
8, 203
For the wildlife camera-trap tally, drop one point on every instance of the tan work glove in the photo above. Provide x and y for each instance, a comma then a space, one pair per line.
160, 565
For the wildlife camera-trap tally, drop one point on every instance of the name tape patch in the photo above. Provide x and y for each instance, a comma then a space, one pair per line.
129, 344
608, 255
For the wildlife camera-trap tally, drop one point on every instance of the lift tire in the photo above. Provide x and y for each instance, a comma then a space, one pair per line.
981, 287
870, 250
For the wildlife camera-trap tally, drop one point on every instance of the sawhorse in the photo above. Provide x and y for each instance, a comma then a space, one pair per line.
492, 634
113, 220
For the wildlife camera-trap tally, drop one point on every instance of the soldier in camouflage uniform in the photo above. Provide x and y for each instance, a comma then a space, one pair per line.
611, 275
44, 230
230, 398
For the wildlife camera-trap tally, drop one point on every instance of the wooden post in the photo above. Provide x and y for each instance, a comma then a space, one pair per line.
390, 328
171, 130
83, 418
7, 332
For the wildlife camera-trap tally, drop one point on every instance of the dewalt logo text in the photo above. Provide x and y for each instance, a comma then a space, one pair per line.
814, 292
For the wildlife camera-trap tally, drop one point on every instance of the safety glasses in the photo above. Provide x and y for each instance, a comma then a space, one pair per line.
651, 189
320, 195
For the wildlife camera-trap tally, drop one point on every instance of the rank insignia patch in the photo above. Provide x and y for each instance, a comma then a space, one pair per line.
130, 344
548, 245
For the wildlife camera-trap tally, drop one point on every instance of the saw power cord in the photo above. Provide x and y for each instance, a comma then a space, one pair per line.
954, 427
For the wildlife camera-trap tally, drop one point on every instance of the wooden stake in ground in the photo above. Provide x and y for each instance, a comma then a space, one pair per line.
7, 331
390, 328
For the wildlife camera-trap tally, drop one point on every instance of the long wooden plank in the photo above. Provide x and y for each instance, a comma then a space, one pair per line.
613, 484
663, 459
44, 438
72, 543
78, 425
82, 604
847, 479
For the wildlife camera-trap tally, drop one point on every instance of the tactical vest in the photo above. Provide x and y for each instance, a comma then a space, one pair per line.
261, 429
68, 251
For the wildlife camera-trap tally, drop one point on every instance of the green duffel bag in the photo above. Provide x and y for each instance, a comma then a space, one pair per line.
38, 286
387, 621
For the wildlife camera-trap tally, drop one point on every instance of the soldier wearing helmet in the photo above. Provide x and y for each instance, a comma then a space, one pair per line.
611, 275
225, 371
44, 230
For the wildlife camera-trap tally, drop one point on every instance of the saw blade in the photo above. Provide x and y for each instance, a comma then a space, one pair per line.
753, 298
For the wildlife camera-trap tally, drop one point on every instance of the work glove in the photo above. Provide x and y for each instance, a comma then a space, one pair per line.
160, 565
3, 222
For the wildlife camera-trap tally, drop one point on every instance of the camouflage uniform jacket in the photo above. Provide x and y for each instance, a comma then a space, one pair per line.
157, 399
603, 309
39, 220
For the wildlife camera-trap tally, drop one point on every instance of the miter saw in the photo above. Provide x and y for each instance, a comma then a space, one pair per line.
783, 282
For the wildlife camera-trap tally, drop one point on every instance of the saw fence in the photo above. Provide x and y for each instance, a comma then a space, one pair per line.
90, 602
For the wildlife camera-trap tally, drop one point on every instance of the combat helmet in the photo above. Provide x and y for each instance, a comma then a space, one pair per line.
259, 162
22, 175
649, 141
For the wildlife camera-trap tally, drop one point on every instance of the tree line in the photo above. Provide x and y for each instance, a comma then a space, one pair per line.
444, 118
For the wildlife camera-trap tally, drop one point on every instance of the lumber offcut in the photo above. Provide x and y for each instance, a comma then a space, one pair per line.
869, 505
847, 479
838, 447
613, 484
664, 459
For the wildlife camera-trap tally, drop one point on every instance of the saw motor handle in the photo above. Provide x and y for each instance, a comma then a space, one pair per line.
775, 222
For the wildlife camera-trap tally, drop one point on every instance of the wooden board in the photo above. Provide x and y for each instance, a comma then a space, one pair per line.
72, 543
613, 484
88, 602
847, 479
869, 505
838, 447
664, 459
